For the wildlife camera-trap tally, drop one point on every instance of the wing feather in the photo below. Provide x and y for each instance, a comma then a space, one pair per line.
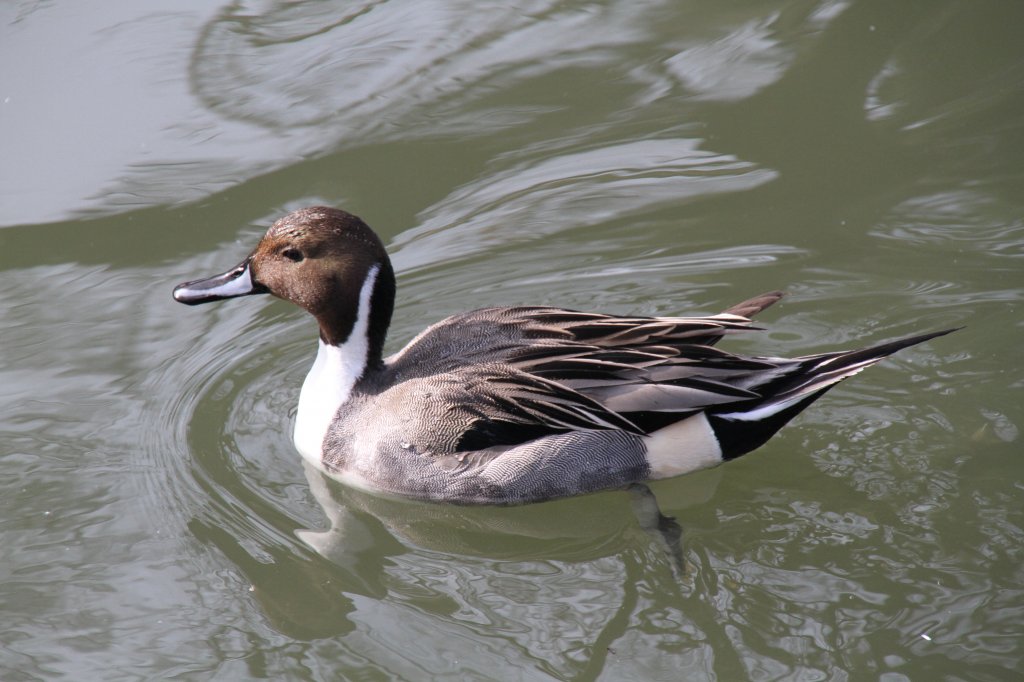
521, 372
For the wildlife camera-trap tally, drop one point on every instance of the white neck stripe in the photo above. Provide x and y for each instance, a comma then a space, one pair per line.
329, 383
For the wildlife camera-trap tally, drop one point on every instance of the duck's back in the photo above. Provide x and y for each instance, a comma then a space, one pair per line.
519, 334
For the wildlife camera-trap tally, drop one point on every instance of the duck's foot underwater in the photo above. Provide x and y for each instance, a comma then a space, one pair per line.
665, 531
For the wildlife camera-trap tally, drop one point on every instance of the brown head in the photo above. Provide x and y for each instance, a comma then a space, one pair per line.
319, 259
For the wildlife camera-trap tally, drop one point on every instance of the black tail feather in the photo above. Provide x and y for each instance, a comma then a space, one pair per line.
737, 438
743, 427
853, 357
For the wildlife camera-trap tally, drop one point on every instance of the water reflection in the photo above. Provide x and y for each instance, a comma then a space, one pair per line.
554, 583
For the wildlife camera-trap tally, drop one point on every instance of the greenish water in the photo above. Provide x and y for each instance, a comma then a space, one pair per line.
648, 158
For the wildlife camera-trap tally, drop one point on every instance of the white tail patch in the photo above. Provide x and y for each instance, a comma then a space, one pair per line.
763, 412
682, 447
329, 382
818, 383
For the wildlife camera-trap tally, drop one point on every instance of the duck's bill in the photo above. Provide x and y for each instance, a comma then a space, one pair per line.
235, 282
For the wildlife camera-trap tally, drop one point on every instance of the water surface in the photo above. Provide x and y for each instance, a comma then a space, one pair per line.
645, 158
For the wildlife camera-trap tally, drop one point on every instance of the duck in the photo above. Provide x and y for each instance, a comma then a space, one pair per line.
520, 404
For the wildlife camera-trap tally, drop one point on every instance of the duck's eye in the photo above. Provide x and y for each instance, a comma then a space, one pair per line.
293, 255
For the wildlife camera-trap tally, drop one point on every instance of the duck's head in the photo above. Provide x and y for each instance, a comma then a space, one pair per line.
322, 259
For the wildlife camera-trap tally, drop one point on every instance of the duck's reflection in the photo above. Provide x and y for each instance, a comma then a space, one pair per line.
571, 586
565, 530
582, 563
574, 529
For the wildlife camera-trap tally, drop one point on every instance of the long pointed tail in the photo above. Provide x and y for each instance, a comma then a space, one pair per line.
742, 427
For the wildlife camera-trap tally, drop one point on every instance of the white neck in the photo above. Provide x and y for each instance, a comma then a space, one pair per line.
329, 382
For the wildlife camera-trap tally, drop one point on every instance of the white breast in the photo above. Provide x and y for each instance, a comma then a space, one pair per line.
329, 382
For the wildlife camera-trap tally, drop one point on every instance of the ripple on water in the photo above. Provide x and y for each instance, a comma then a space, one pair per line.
269, 67
596, 186
959, 218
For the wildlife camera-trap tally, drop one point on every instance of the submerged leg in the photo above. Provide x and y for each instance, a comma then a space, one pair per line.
664, 530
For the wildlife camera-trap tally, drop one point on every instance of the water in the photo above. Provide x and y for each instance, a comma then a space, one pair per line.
648, 158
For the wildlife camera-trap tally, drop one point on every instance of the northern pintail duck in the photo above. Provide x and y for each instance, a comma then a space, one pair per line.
519, 404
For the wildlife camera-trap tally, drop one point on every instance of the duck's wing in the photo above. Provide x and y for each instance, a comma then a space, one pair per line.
501, 406
654, 378
613, 331
549, 389
652, 370
647, 371
496, 334
578, 370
